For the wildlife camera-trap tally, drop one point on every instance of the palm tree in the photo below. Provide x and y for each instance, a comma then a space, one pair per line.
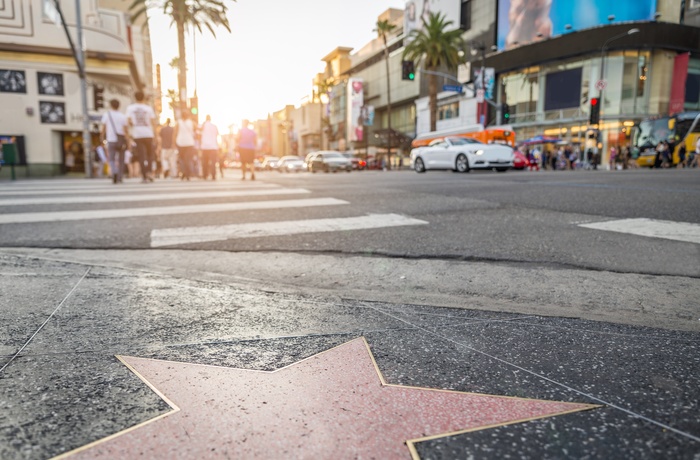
383, 29
185, 13
435, 46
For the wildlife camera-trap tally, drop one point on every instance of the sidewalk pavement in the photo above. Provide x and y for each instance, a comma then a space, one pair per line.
105, 359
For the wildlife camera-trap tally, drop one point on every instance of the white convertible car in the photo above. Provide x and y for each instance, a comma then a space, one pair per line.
461, 154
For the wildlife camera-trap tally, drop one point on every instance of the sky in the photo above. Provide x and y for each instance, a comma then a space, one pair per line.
270, 57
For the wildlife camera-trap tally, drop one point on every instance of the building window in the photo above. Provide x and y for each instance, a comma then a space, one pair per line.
448, 111
465, 15
695, 3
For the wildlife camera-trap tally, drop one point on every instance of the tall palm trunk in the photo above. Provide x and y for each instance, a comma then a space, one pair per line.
432, 100
388, 103
179, 16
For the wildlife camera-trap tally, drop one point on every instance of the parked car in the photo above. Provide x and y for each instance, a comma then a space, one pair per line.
357, 162
270, 162
462, 155
291, 163
520, 161
328, 161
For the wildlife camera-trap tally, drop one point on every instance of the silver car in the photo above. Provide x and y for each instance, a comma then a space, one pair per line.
329, 161
291, 163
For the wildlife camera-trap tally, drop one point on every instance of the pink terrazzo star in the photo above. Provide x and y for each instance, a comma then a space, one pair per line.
331, 405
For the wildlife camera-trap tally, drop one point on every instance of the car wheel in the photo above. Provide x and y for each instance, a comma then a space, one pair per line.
418, 165
501, 169
326, 169
462, 164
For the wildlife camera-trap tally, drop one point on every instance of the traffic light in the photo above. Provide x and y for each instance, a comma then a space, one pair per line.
194, 109
595, 111
408, 71
505, 114
98, 93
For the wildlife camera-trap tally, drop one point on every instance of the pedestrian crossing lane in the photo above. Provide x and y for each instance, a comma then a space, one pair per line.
170, 195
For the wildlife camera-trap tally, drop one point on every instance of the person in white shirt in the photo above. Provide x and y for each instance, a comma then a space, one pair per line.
115, 132
209, 135
142, 123
184, 138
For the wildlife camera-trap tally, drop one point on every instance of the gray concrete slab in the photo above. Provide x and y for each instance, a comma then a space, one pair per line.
67, 389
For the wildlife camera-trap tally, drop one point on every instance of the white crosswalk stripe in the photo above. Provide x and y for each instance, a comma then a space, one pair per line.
678, 231
183, 235
149, 197
60, 216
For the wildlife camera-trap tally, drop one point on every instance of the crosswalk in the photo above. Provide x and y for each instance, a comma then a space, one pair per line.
66, 200
164, 198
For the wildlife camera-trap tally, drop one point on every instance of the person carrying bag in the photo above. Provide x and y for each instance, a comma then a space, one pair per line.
115, 133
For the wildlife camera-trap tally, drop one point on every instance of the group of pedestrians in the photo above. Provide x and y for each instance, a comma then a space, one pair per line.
170, 150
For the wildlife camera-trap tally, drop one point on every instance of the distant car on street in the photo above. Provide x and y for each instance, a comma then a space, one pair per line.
270, 162
291, 163
462, 155
357, 162
328, 161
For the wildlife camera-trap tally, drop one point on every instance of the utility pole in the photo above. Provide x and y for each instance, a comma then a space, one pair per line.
87, 141
79, 55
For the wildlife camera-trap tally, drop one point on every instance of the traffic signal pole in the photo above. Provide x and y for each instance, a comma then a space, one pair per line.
79, 55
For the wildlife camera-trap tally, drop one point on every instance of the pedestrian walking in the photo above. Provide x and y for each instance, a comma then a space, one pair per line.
612, 160
693, 158
681, 156
184, 139
168, 153
210, 148
142, 123
532, 161
247, 142
99, 161
115, 133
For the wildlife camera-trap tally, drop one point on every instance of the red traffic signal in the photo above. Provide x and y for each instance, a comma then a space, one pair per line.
594, 117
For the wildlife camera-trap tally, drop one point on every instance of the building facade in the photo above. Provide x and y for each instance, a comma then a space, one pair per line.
637, 58
40, 89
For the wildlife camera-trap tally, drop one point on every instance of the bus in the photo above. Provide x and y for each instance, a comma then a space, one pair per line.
497, 135
678, 129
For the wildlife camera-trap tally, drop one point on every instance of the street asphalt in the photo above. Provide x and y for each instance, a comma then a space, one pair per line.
63, 386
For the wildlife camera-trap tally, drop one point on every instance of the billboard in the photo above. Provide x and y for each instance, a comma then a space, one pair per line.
524, 21
416, 11
356, 102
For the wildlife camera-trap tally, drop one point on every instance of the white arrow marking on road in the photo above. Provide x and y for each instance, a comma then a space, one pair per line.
184, 235
149, 197
679, 231
21, 218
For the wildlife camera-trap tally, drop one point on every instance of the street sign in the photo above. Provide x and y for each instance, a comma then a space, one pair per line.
455, 88
600, 85
480, 95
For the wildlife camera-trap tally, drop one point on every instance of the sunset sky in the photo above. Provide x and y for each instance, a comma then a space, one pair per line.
270, 58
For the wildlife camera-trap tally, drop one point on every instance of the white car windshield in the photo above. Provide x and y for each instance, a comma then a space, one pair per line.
462, 141
332, 155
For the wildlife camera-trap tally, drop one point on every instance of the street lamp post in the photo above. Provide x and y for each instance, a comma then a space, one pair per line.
602, 61
601, 84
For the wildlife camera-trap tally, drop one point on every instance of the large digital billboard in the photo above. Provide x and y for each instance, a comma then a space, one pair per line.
417, 11
524, 21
